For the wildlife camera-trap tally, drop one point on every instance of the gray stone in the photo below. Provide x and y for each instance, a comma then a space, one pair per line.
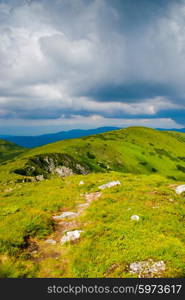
180, 189
63, 171
66, 214
50, 241
147, 268
134, 218
39, 177
92, 196
83, 205
71, 236
109, 184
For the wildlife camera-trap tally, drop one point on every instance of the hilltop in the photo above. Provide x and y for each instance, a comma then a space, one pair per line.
136, 150
44, 139
146, 165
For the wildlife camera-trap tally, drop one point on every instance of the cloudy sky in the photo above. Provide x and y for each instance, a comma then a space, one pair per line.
88, 63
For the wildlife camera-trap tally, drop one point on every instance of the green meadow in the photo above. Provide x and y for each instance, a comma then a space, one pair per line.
149, 165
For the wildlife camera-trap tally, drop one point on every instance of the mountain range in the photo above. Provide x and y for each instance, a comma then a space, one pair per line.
39, 140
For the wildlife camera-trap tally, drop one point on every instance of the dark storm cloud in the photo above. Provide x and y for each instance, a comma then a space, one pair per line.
112, 59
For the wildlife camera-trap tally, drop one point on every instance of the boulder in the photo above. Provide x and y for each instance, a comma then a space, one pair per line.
71, 236
180, 189
109, 184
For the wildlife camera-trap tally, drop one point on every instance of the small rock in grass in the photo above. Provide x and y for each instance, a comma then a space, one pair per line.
109, 184
83, 205
134, 218
81, 182
71, 236
92, 196
147, 268
9, 190
50, 241
39, 177
180, 189
66, 214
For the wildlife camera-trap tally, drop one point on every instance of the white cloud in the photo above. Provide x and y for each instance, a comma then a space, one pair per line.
83, 122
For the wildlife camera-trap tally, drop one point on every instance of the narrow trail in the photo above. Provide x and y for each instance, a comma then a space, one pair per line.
67, 229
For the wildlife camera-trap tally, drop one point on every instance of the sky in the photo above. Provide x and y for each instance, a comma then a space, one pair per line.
68, 64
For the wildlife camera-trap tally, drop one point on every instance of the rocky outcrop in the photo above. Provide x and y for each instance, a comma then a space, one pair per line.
60, 164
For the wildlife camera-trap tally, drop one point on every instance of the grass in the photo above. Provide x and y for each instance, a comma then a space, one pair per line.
109, 235
145, 161
133, 150
9, 150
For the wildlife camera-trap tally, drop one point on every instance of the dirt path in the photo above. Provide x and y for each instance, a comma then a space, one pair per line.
67, 227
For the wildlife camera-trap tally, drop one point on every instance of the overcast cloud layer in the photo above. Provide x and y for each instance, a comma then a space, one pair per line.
87, 63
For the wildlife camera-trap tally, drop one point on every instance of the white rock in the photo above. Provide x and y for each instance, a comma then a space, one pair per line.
81, 182
50, 241
134, 218
180, 189
39, 177
83, 205
71, 236
65, 214
109, 184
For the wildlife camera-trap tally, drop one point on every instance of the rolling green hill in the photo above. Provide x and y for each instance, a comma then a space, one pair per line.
135, 150
9, 150
148, 164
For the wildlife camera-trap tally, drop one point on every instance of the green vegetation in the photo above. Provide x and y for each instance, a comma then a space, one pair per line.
133, 150
149, 164
9, 150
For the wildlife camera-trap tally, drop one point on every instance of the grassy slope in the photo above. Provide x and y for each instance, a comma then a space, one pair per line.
135, 150
109, 235
9, 150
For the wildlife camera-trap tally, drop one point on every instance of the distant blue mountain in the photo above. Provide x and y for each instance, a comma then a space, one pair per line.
39, 140
173, 129
35, 141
